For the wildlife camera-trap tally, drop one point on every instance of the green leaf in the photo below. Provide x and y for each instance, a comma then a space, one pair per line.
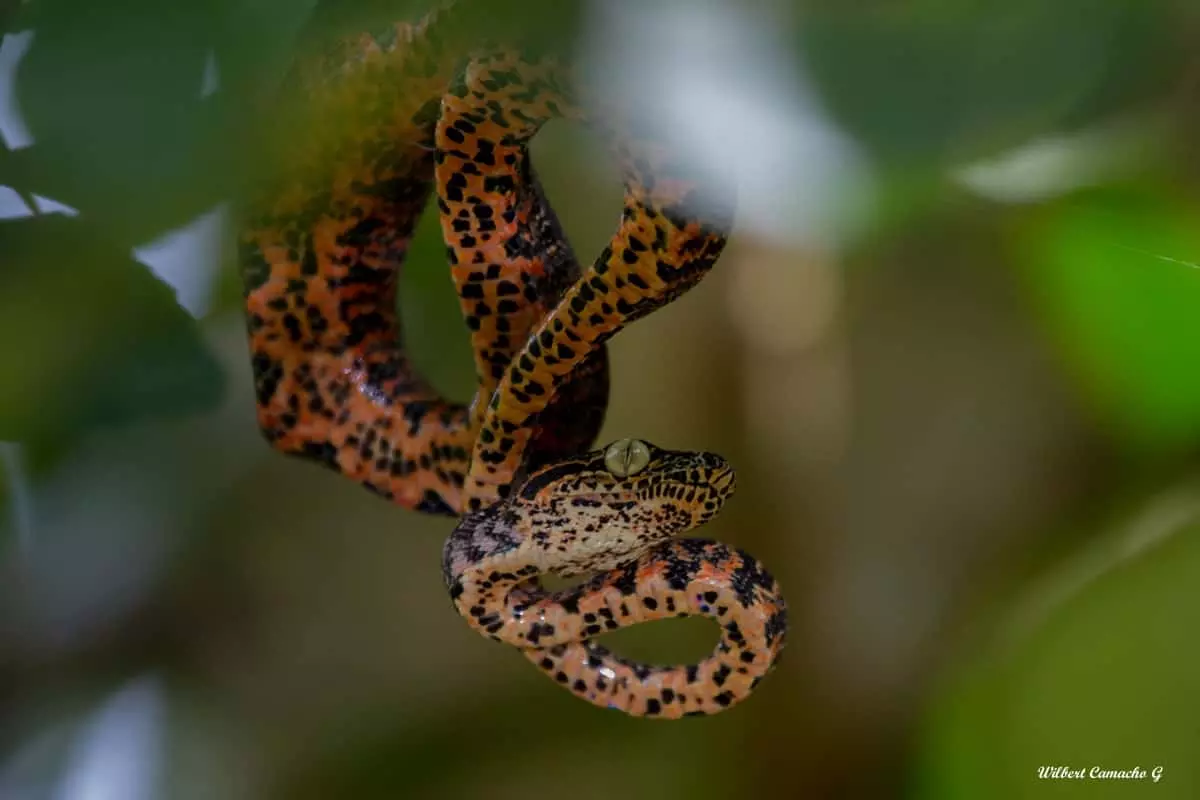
1102, 672
91, 337
927, 81
1115, 278
10, 11
112, 96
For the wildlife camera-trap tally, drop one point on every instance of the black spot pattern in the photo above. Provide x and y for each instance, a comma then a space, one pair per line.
321, 255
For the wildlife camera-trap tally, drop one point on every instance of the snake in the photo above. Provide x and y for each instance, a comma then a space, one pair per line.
612, 513
384, 125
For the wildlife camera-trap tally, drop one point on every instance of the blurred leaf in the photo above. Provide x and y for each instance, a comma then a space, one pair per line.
9, 16
334, 19
92, 338
1103, 680
535, 25
258, 44
929, 81
97, 739
1116, 276
112, 94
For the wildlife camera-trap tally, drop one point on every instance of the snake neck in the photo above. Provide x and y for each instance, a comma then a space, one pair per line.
480, 537
492, 560
483, 562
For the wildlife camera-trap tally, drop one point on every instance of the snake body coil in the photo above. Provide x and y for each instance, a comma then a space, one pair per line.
392, 120
580, 516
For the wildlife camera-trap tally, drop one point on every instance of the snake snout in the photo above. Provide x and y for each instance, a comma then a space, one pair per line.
724, 481
721, 476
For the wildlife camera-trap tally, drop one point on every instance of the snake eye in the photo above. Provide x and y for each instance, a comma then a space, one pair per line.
626, 457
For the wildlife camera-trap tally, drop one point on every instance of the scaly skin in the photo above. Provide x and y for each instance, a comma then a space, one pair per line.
390, 118
321, 254
670, 235
577, 516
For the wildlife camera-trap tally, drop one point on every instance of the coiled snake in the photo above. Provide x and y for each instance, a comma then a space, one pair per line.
390, 120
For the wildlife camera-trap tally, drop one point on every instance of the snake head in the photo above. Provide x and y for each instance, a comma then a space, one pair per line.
600, 509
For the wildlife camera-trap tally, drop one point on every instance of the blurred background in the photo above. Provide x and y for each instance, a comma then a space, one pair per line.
953, 350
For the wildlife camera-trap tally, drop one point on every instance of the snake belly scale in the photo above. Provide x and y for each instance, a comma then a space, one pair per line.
415, 113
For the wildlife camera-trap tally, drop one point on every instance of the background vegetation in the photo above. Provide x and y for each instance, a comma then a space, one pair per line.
953, 349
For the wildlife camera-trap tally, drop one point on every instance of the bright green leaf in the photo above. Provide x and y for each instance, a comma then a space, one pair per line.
1116, 279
